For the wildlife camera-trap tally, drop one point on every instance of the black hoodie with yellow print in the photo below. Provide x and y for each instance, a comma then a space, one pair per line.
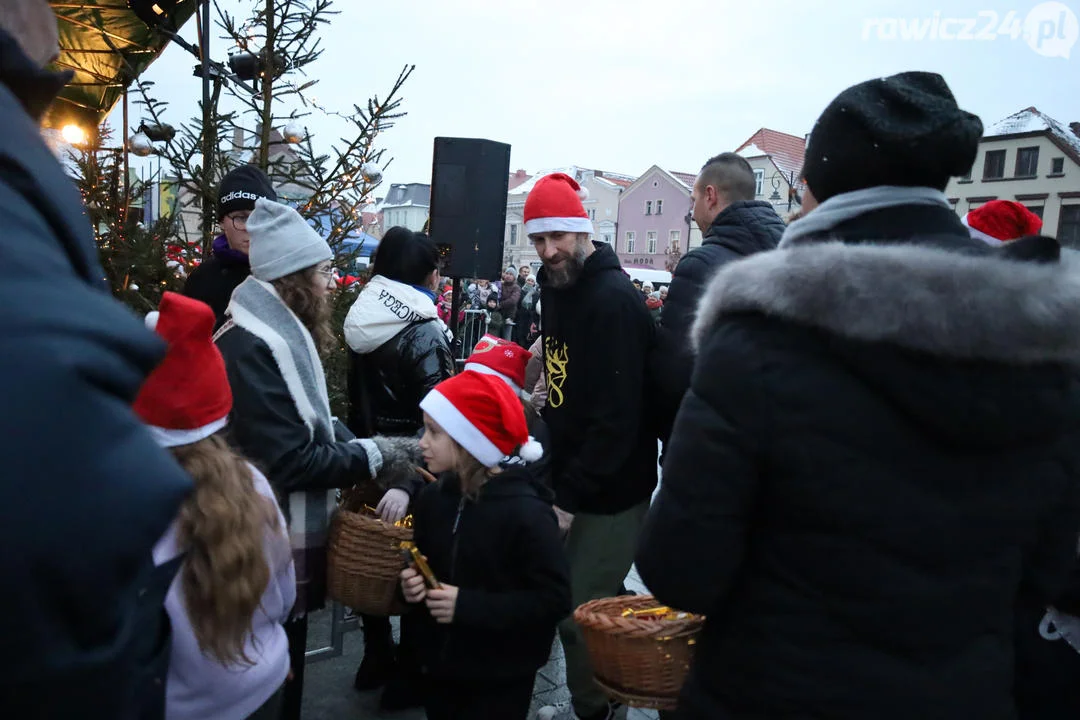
597, 334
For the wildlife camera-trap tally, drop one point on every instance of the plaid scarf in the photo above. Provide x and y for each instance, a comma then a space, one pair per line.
257, 308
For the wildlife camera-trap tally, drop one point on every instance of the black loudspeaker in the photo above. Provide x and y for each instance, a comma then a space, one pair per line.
469, 182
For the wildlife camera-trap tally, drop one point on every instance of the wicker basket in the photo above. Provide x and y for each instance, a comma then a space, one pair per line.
640, 662
364, 557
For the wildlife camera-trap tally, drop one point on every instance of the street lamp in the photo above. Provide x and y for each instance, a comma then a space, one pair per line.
789, 178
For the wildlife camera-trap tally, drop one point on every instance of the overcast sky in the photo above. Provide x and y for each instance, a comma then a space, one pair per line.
621, 85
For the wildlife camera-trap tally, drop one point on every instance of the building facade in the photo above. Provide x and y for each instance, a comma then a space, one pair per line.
1033, 159
654, 215
777, 160
406, 205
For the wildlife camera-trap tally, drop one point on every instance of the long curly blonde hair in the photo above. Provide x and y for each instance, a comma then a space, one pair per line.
297, 291
223, 526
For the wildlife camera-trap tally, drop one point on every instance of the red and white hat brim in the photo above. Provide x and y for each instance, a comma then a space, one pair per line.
558, 224
457, 426
166, 437
477, 367
979, 234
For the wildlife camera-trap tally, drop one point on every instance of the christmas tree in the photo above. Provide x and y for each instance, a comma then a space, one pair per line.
271, 48
141, 260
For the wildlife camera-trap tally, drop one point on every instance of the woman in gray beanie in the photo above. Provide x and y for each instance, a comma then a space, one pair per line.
277, 328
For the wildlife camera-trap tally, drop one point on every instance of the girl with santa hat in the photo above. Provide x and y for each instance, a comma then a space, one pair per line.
236, 583
499, 581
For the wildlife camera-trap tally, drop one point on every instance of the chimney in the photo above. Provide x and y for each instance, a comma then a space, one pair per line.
1075, 127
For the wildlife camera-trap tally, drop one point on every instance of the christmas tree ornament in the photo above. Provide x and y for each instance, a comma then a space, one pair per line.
294, 133
140, 145
371, 173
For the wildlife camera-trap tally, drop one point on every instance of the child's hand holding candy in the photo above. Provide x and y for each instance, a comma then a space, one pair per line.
412, 585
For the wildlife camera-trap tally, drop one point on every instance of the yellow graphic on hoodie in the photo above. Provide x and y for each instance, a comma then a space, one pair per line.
556, 359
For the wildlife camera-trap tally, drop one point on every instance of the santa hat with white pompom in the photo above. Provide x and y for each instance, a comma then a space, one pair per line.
554, 205
482, 414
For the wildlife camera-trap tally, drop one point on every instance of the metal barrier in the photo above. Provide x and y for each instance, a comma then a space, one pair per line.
474, 326
342, 620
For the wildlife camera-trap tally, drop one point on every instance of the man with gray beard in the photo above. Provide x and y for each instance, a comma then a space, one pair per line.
596, 337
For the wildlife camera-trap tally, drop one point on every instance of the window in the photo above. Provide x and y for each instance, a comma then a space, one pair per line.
513, 234
629, 242
651, 239
994, 165
648, 207
1069, 226
592, 214
1037, 209
607, 238
659, 207
966, 176
1027, 162
759, 180
674, 239
1057, 166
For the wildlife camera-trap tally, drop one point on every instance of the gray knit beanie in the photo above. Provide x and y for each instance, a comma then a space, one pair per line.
282, 242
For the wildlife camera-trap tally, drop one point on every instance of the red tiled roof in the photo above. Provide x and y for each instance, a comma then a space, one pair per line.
616, 178
687, 179
787, 151
621, 182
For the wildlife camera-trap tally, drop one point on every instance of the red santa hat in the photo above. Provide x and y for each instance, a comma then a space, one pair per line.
501, 358
999, 221
554, 205
482, 415
187, 397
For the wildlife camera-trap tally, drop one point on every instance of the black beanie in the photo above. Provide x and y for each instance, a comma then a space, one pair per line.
240, 188
902, 130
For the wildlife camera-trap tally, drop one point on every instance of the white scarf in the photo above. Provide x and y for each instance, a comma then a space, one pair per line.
384, 308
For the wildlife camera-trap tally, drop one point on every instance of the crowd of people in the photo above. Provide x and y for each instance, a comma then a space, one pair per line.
869, 420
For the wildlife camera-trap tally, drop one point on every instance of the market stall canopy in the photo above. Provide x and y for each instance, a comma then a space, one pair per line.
108, 46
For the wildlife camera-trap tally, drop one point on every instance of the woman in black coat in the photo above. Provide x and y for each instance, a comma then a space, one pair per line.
877, 459
399, 351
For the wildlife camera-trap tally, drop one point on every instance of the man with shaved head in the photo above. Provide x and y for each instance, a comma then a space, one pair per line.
734, 225
85, 492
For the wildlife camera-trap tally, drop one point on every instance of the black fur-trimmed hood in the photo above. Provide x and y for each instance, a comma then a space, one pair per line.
928, 299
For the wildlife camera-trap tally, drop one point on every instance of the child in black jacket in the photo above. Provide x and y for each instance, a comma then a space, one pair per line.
492, 542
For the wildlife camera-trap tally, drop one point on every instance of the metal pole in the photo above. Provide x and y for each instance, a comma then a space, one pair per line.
208, 124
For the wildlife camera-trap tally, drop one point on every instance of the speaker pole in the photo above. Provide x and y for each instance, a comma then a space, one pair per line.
455, 310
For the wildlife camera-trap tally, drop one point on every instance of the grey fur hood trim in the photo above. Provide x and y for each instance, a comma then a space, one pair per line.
927, 299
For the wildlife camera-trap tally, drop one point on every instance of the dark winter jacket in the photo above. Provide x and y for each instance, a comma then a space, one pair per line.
1048, 655
504, 554
877, 457
398, 351
509, 299
741, 229
267, 428
86, 492
526, 315
387, 384
215, 279
597, 333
